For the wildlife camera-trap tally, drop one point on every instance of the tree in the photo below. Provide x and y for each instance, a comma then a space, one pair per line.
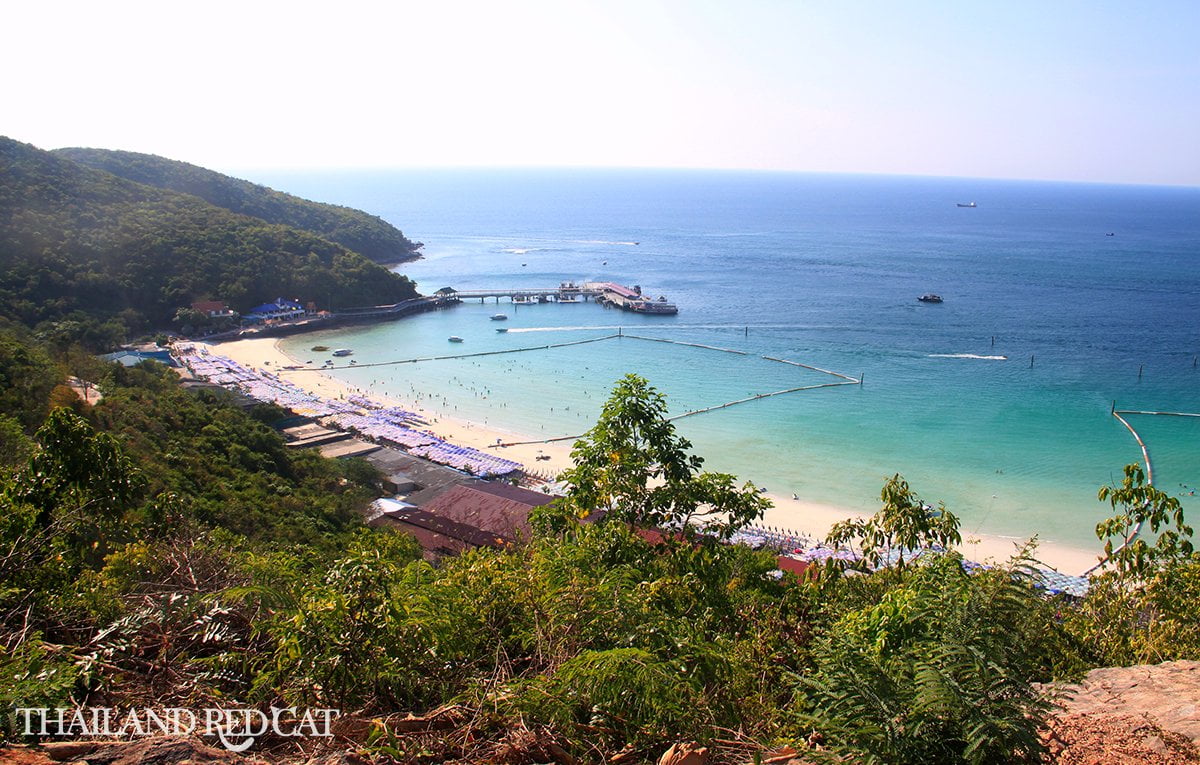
1141, 602
903, 524
27, 375
633, 466
15, 446
1139, 504
79, 478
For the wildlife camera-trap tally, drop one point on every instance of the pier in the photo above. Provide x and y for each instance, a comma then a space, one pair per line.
567, 292
606, 293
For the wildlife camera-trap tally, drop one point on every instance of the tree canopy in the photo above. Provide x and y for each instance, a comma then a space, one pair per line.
355, 230
634, 466
80, 247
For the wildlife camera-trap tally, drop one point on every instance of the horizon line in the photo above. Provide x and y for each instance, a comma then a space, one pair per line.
352, 168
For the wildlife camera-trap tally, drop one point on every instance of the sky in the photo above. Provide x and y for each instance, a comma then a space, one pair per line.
1091, 91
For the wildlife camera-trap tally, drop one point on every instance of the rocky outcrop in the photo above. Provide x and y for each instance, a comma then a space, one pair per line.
1144, 714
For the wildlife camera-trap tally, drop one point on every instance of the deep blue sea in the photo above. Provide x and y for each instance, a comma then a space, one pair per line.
823, 270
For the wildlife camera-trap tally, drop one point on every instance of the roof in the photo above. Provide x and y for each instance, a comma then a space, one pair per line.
280, 304
621, 290
496, 508
204, 306
431, 477
794, 565
431, 522
348, 448
133, 358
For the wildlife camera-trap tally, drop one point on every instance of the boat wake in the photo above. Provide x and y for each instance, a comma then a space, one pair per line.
966, 356
524, 250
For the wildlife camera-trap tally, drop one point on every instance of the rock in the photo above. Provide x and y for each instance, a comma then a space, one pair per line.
1167, 694
685, 753
1111, 739
166, 750
61, 751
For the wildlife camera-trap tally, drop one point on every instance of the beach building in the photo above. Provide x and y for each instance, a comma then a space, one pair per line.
437, 536
311, 434
131, 358
461, 517
281, 308
214, 309
342, 450
415, 478
497, 508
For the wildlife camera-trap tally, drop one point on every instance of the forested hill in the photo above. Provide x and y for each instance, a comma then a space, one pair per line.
81, 247
366, 234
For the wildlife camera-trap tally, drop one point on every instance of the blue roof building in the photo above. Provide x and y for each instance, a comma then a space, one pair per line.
281, 308
133, 358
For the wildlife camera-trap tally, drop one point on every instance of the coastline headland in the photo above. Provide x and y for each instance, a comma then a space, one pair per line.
339, 318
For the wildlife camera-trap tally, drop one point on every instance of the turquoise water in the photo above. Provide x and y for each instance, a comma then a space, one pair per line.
823, 270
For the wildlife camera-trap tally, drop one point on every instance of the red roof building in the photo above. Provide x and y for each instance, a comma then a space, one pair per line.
212, 308
496, 508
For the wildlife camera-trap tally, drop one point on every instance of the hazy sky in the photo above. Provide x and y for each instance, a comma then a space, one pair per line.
1093, 91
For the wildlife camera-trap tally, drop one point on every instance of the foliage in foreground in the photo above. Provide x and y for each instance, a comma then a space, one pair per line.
163, 549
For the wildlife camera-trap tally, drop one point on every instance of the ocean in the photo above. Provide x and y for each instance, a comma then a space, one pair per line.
1059, 300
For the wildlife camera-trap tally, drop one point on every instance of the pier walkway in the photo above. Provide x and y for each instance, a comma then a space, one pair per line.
567, 291
609, 293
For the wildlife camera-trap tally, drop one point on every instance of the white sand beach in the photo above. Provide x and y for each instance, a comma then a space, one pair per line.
811, 518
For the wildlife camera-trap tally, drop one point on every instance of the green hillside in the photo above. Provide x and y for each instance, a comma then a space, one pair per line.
366, 234
80, 246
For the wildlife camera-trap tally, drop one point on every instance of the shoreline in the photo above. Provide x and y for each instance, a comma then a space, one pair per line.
800, 515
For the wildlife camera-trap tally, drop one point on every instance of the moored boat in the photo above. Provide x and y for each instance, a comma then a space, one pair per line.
499, 317
661, 306
342, 352
929, 297
455, 339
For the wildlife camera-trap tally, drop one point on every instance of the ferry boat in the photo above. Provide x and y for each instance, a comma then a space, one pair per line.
660, 307
455, 339
929, 297
499, 317
342, 352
